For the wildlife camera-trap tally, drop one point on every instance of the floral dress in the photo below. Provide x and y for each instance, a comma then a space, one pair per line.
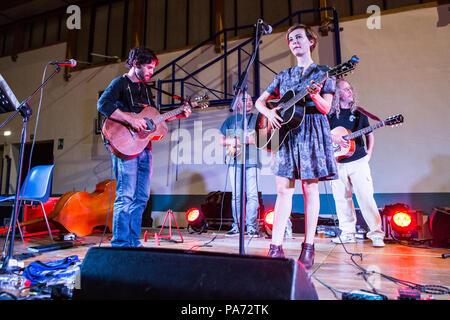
307, 152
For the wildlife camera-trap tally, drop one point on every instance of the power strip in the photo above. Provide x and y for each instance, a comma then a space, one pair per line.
408, 294
362, 295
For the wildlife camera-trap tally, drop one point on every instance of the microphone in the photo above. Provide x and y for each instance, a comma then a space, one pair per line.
266, 28
71, 63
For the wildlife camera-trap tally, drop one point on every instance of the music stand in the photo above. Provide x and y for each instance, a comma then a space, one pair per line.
25, 111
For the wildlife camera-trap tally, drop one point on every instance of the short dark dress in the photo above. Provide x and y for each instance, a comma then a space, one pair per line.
307, 152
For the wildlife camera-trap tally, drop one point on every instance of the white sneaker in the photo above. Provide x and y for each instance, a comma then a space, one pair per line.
345, 238
377, 242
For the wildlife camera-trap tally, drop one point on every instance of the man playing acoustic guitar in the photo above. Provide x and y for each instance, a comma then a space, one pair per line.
231, 137
353, 171
123, 98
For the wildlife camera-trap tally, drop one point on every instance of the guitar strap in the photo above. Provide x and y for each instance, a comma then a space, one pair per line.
368, 114
249, 119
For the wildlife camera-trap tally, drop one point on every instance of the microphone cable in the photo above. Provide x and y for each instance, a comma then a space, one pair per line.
228, 161
25, 182
429, 289
206, 244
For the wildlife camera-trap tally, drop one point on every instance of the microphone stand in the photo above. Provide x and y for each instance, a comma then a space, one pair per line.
241, 88
25, 111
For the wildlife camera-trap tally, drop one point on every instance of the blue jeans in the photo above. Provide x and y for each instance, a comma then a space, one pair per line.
252, 196
132, 194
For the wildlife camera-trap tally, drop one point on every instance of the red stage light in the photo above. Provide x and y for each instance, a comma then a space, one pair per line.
192, 215
268, 218
402, 219
196, 220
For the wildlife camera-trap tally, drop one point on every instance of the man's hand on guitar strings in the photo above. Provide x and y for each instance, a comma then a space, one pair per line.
340, 141
137, 124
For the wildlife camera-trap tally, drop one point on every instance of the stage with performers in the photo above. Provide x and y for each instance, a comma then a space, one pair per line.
400, 270
224, 151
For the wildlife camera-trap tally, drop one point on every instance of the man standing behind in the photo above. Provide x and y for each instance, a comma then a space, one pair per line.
232, 133
354, 171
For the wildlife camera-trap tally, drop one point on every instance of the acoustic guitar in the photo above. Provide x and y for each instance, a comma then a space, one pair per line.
126, 143
233, 150
270, 138
341, 152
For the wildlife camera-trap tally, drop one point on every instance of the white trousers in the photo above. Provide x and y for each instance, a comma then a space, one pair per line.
356, 175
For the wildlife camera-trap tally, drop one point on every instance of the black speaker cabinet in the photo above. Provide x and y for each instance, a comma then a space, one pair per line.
168, 274
440, 227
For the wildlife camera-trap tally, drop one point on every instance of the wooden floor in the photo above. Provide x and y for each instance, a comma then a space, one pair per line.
333, 265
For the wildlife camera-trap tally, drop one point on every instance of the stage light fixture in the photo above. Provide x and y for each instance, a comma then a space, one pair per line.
268, 218
196, 221
400, 221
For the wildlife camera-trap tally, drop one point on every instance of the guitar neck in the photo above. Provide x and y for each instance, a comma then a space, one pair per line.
365, 130
169, 115
303, 92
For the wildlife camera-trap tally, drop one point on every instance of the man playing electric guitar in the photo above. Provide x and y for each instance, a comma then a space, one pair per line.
354, 171
123, 98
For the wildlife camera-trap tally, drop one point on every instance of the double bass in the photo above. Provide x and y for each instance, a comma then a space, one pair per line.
80, 212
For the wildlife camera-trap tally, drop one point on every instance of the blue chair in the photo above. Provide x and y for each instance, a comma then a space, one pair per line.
36, 188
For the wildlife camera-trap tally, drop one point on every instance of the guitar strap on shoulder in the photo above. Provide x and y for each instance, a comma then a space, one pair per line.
367, 113
250, 119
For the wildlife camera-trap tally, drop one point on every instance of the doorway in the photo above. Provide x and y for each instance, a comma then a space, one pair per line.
42, 155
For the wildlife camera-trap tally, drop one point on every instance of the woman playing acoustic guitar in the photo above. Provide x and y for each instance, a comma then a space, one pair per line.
307, 152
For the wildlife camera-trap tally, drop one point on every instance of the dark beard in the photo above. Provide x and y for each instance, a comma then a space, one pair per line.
139, 74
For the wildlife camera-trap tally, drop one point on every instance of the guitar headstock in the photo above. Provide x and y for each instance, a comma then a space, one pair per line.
394, 120
201, 101
344, 68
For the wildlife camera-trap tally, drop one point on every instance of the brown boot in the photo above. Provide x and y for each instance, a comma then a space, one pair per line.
275, 251
307, 255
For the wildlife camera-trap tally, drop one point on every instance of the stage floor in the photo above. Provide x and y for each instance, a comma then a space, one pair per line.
333, 266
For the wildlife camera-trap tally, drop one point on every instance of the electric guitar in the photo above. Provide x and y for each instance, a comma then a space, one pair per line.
126, 143
270, 138
341, 152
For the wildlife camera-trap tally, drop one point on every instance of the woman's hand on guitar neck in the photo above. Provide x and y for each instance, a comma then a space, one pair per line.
323, 103
314, 89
